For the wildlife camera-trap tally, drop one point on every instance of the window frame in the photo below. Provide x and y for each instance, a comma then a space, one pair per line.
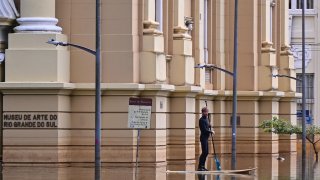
294, 10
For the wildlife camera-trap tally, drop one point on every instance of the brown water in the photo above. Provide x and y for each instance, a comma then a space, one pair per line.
268, 168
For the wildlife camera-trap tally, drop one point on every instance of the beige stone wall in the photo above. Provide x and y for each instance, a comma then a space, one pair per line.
138, 60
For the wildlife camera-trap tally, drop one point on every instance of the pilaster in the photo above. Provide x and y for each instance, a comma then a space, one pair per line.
181, 126
268, 63
267, 67
182, 63
268, 108
152, 58
286, 61
248, 131
286, 66
287, 111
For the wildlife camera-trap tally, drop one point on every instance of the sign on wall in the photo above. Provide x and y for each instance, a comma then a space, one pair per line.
30, 120
139, 113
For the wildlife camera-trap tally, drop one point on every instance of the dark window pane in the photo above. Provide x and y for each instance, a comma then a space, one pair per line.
309, 4
299, 4
290, 4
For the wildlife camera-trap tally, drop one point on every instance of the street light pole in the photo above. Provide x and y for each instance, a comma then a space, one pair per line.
98, 93
235, 82
303, 94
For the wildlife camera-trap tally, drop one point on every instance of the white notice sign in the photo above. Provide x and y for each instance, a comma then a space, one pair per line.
139, 113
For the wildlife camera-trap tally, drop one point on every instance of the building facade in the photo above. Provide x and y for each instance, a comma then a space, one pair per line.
312, 53
149, 49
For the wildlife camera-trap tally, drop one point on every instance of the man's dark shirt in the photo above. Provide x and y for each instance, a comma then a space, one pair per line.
204, 127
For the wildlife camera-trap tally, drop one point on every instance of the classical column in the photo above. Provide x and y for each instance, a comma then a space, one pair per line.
8, 13
36, 104
5, 26
38, 16
29, 57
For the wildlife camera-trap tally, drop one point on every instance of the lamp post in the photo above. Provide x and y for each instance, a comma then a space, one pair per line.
234, 108
303, 94
235, 83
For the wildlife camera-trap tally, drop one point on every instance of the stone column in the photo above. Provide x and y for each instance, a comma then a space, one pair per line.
5, 25
36, 104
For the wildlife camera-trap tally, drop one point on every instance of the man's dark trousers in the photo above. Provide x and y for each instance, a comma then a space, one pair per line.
205, 151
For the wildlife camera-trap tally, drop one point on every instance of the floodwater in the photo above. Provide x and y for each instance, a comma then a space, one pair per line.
268, 168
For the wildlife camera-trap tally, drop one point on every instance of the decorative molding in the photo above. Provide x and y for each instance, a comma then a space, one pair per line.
151, 28
180, 33
38, 24
285, 50
267, 47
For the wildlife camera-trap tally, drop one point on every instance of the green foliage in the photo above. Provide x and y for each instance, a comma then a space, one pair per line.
280, 126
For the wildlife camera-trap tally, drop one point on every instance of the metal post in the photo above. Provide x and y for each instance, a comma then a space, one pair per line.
303, 94
137, 154
98, 94
234, 100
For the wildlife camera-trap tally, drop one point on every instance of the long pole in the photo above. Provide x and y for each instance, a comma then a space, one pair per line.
303, 94
98, 93
234, 100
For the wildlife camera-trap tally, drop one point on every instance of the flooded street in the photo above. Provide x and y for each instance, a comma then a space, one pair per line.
268, 168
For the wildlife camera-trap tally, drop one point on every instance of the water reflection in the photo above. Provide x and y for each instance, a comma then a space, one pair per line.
268, 168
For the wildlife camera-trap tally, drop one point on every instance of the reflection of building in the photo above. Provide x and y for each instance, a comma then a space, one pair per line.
312, 53
147, 52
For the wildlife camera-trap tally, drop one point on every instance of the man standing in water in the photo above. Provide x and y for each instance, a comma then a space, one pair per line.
205, 133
